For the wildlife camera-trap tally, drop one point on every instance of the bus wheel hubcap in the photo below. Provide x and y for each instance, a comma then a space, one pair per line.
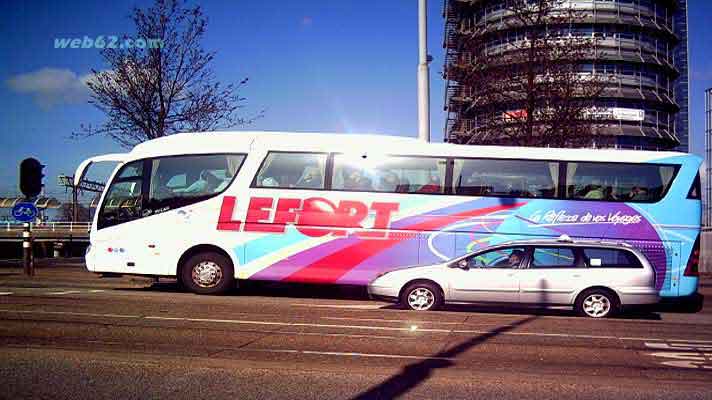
596, 305
421, 299
207, 274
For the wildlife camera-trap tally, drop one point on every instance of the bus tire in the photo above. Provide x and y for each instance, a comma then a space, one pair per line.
421, 296
208, 273
597, 303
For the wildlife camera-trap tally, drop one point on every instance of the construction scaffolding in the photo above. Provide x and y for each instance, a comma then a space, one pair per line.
640, 47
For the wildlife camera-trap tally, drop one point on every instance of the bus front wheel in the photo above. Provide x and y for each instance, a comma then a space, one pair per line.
208, 273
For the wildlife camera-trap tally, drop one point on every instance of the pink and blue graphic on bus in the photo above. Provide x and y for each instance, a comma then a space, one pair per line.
352, 241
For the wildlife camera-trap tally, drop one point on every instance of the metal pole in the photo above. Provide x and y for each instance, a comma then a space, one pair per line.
75, 208
423, 73
27, 250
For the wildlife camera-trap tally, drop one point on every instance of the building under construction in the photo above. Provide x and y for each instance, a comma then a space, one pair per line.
641, 48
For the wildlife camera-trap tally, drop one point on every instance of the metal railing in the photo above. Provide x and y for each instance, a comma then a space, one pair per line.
82, 227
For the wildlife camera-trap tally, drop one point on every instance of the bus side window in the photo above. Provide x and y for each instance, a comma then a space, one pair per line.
618, 181
389, 174
510, 178
172, 182
176, 180
696, 189
292, 170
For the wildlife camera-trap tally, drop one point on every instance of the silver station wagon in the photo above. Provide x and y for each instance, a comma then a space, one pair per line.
596, 278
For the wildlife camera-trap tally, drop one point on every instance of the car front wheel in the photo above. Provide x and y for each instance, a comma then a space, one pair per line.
422, 296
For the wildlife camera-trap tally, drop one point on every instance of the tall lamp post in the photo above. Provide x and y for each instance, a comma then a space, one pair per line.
423, 73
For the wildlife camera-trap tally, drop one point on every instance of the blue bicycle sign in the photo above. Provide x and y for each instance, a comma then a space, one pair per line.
24, 212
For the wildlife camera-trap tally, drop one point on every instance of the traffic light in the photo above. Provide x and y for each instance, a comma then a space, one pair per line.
31, 177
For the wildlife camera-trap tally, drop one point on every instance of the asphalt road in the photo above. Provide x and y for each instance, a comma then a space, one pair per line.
68, 334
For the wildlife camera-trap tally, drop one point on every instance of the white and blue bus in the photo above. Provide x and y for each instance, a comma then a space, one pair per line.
210, 208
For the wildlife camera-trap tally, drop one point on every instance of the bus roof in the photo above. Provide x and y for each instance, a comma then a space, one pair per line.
243, 141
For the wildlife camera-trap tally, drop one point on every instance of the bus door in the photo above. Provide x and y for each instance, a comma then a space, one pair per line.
114, 242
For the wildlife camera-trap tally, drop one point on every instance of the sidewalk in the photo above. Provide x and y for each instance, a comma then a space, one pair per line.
63, 272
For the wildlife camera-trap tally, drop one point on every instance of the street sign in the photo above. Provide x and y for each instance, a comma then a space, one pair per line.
24, 212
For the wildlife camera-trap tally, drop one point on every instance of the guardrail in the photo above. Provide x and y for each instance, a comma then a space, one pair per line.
46, 231
79, 227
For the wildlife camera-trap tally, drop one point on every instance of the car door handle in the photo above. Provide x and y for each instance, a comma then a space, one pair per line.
576, 275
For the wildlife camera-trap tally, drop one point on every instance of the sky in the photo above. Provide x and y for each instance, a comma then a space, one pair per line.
313, 65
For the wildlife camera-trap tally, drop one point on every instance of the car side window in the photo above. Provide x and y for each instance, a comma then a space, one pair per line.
554, 257
610, 258
509, 257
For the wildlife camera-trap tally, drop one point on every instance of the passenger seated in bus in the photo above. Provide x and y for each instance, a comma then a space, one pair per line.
206, 183
433, 185
593, 191
310, 179
159, 186
389, 182
608, 194
474, 185
355, 180
269, 182
638, 193
403, 186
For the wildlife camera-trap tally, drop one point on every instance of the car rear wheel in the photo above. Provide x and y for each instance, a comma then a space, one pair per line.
596, 303
208, 273
422, 296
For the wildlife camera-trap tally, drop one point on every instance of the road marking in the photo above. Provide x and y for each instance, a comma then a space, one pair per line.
338, 335
345, 354
277, 323
82, 314
689, 355
354, 306
5, 293
65, 292
338, 353
97, 291
681, 342
400, 321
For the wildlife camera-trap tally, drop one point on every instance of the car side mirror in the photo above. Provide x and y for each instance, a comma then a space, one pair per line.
463, 264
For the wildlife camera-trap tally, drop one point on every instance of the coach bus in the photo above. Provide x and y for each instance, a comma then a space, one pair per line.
212, 209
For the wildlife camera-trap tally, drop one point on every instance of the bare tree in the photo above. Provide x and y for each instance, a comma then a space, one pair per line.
162, 82
66, 212
523, 79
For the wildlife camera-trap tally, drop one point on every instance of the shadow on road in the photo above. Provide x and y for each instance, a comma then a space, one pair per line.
416, 373
359, 293
275, 289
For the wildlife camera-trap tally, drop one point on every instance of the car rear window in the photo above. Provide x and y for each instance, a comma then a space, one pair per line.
610, 258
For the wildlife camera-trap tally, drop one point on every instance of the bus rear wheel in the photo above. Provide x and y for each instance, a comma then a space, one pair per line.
208, 273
